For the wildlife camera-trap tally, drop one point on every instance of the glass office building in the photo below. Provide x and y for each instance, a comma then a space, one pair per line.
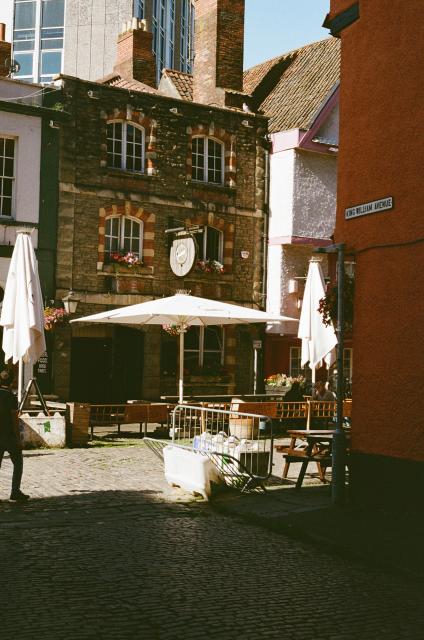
78, 37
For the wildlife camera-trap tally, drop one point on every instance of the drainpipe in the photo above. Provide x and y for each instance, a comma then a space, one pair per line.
266, 226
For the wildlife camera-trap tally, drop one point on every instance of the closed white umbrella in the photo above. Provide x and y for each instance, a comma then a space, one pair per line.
318, 340
22, 314
184, 311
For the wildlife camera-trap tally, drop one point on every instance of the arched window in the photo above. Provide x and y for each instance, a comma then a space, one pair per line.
123, 235
207, 160
125, 146
211, 244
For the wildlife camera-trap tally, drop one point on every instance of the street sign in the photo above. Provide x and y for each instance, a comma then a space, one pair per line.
369, 207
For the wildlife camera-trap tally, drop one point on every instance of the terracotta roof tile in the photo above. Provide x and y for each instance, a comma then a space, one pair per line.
115, 80
307, 77
183, 82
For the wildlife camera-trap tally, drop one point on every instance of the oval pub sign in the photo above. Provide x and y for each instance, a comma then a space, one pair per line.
183, 255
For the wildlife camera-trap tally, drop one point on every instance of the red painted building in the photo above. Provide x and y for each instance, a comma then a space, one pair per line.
380, 160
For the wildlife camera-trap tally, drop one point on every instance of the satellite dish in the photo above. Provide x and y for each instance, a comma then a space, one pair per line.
11, 66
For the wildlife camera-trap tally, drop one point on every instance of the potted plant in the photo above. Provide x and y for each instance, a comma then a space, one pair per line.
210, 266
328, 306
126, 266
277, 383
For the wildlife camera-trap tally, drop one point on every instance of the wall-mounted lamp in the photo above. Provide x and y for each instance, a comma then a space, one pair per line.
70, 302
175, 111
94, 95
247, 124
54, 125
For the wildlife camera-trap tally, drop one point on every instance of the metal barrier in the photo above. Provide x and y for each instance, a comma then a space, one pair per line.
239, 444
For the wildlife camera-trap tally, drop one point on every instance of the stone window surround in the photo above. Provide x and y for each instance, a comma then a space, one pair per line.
212, 220
230, 157
141, 120
121, 233
124, 144
131, 210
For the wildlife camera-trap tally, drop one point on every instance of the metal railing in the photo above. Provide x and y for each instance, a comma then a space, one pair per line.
239, 444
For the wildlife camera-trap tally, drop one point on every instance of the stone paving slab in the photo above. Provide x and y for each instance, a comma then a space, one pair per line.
107, 550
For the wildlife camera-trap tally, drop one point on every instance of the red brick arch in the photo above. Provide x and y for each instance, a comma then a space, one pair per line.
212, 220
229, 141
132, 210
148, 124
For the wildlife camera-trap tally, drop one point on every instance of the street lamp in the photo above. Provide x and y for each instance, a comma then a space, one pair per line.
338, 488
70, 302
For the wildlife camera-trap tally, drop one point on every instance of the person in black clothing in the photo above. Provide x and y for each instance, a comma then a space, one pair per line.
294, 394
9, 436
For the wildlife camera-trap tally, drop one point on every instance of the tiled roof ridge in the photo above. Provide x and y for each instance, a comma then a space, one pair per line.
275, 59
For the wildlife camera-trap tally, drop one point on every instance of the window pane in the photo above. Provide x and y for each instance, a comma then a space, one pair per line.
198, 159
24, 40
211, 361
53, 13
25, 15
25, 60
134, 148
111, 236
51, 63
213, 244
131, 236
214, 162
114, 145
213, 338
9, 146
191, 338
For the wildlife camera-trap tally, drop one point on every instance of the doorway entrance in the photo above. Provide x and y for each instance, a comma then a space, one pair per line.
107, 369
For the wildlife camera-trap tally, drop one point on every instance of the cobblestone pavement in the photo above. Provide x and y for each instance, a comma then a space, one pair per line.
105, 550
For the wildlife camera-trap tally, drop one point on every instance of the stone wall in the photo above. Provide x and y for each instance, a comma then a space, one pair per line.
164, 196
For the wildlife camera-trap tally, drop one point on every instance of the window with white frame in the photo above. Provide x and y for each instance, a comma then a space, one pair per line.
204, 349
207, 160
211, 244
125, 146
7, 175
123, 235
296, 368
38, 32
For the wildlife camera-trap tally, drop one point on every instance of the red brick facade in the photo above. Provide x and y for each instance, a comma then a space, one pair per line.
135, 57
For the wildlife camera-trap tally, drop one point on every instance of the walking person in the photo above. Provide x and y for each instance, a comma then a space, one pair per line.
9, 434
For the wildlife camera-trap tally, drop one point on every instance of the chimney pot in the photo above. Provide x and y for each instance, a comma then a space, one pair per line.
2, 31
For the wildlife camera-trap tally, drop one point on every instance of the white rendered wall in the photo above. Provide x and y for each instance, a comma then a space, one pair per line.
330, 129
281, 193
314, 198
27, 132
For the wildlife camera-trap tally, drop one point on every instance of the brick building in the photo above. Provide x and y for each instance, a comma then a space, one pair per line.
380, 162
135, 163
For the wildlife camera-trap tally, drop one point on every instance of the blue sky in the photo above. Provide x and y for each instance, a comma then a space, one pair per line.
276, 26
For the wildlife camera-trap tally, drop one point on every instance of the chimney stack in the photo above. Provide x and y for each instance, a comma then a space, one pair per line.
219, 42
5, 51
135, 58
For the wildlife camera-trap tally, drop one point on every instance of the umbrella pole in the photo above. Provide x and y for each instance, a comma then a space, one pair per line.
181, 376
20, 379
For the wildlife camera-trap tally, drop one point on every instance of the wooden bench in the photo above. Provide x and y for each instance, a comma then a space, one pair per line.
104, 415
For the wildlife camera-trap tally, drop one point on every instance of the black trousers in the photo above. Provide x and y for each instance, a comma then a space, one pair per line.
18, 464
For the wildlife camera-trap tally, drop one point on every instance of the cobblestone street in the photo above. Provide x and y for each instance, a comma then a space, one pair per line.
105, 549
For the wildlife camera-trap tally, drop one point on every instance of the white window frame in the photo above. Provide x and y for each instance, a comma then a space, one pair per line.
204, 255
124, 142
206, 159
13, 178
37, 51
201, 350
121, 236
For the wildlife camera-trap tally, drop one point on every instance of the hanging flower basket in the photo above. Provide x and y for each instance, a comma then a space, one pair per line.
328, 306
54, 317
175, 329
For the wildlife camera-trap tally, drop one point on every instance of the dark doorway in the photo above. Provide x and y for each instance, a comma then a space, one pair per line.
128, 364
106, 370
91, 370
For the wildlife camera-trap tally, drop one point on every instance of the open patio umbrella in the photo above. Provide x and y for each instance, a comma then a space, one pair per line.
183, 311
318, 340
22, 314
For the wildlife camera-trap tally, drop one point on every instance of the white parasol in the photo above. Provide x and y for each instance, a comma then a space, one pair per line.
22, 315
183, 311
318, 340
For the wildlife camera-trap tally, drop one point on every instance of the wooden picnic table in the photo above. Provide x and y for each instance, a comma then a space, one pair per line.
318, 450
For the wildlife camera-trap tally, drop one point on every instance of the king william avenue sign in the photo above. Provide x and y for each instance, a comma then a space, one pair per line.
370, 207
